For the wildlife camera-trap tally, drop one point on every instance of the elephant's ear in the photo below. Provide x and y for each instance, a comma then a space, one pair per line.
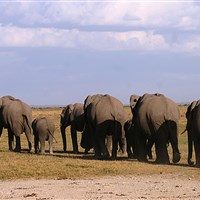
190, 109
64, 111
189, 113
193, 105
71, 112
87, 101
133, 101
10, 98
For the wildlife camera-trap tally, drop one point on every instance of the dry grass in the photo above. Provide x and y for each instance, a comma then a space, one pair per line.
68, 165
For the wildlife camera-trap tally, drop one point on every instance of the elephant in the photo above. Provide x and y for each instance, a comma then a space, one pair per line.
193, 129
16, 116
130, 133
156, 118
130, 142
104, 116
43, 130
72, 115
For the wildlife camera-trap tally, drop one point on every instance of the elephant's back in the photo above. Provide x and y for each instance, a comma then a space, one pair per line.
79, 118
13, 112
161, 107
13, 117
78, 110
43, 124
110, 108
18, 108
155, 111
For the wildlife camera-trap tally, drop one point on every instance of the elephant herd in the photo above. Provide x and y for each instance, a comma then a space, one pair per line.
106, 128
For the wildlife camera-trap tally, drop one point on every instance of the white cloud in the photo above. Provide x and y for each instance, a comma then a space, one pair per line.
174, 14
145, 19
29, 37
41, 37
189, 45
11, 36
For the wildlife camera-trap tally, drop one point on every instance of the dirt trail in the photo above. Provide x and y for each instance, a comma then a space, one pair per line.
119, 187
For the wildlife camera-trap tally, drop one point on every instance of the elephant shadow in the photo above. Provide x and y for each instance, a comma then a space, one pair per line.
90, 156
69, 152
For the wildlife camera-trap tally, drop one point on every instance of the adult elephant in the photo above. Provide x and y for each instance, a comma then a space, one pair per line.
72, 115
130, 133
193, 129
104, 116
16, 116
156, 118
43, 130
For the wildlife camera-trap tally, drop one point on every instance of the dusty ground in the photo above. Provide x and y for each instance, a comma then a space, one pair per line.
128, 187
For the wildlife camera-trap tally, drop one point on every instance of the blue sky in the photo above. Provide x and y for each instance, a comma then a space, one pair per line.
58, 52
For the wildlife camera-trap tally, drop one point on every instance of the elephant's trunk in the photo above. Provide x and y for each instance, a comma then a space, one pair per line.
62, 130
1, 129
86, 139
190, 143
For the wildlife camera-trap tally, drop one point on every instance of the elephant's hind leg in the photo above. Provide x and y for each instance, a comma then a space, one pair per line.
10, 140
141, 147
197, 152
50, 145
74, 139
18, 144
162, 156
100, 141
42, 147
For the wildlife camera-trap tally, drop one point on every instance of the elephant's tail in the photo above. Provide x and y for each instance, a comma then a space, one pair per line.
184, 131
27, 122
52, 135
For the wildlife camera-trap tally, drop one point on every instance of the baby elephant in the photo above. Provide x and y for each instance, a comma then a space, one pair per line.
43, 130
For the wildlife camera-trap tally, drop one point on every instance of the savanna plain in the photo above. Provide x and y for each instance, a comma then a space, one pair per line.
80, 176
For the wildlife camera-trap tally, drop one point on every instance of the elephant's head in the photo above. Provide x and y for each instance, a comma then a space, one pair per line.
133, 100
9, 97
189, 114
90, 100
5, 99
87, 142
66, 116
